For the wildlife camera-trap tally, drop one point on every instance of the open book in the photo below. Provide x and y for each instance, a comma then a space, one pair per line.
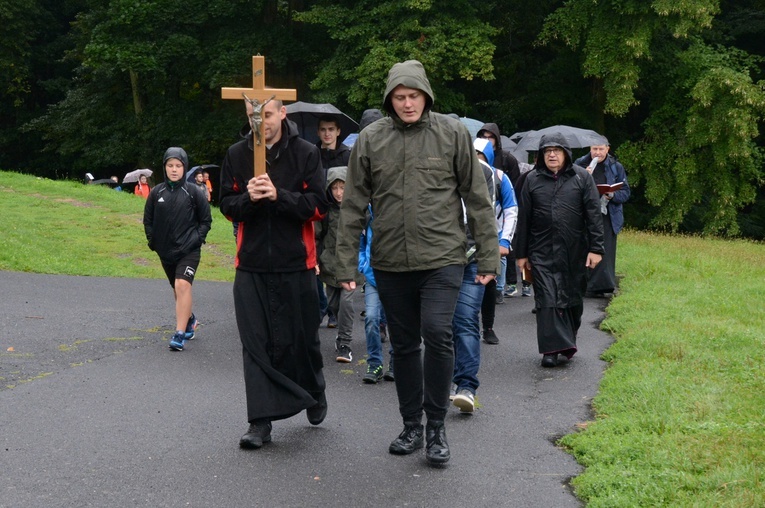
604, 188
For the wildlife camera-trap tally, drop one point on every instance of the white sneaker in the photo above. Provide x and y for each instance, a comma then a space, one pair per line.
453, 391
465, 400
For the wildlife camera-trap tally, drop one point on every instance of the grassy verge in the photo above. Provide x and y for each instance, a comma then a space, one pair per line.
69, 228
680, 415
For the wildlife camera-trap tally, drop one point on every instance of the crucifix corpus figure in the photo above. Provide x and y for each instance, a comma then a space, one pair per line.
258, 96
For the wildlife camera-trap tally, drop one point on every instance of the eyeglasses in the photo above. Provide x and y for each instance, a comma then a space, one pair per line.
554, 149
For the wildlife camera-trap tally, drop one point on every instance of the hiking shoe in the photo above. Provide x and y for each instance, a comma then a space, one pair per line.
499, 298
490, 337
465, 400
344, 354
373, 375
453, 391
526, 291
331, 321
258, 433
408, 441
437, 449
177, 341
191, 327
383, 333
511, 291
388, 376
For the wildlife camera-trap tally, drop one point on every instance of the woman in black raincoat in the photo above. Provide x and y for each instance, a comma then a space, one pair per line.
559, 235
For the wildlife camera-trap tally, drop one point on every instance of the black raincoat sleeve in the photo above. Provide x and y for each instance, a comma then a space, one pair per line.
203, 215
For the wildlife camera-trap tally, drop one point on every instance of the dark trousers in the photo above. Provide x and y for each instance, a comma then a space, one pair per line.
489, 305
602, 279
420, 307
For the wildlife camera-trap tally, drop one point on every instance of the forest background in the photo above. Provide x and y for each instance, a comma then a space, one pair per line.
105, 86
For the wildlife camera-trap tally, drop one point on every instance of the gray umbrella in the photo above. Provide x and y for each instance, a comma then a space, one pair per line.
135, 175
574, 136
306, 115
472, 125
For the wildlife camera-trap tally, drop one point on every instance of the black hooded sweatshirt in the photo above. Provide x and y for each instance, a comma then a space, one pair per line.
176, 217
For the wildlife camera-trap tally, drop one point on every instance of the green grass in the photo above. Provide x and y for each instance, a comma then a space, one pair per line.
61, 227
680, 414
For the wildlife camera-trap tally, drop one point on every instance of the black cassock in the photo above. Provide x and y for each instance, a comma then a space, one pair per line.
559, 222
278, 319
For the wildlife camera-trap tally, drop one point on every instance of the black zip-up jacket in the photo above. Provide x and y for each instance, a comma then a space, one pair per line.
176, 220
333, 158
275, 236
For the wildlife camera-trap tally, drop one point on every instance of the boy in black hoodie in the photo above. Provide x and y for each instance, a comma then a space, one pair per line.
176, 220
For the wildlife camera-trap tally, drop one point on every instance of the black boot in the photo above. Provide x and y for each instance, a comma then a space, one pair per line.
437, 451
408, 441
258, 433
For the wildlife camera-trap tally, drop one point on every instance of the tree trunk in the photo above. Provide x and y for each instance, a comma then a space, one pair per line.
599, 98
137, 105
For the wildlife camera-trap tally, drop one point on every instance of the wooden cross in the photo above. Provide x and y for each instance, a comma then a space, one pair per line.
261, 94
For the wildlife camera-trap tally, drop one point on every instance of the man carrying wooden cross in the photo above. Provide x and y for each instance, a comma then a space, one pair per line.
275, 294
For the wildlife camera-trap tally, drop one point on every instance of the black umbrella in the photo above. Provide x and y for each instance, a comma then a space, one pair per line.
306, 115
204, 167
574, 136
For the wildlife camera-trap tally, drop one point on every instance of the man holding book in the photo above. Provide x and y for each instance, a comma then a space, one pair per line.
611, 179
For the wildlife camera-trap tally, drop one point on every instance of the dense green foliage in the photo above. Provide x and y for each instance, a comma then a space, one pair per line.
104, 86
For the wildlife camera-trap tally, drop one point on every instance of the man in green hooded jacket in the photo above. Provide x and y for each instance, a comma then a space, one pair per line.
418, 169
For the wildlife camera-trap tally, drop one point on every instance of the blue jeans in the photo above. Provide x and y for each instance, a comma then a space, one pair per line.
466, 326
420, 307
502, 278
372, 320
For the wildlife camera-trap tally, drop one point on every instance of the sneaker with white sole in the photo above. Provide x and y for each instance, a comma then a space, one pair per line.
177, 341
344, 354
453, 391
511, 291
526, 291
465, 400
191, 327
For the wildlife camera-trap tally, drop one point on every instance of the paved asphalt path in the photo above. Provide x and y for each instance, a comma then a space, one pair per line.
96, 411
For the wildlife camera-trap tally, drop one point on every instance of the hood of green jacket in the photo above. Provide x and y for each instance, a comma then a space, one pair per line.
411, 74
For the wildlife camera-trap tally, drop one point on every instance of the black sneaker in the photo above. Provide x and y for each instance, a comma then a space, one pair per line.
344, 354
437, 451
258, 433
318, 412
389, 376
408, 441
490, 337
499, 298
373, 375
